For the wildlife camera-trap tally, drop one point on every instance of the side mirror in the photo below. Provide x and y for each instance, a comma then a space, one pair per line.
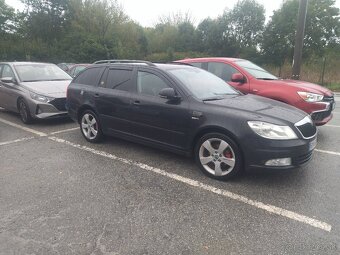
9, 80
238, 77
169, 93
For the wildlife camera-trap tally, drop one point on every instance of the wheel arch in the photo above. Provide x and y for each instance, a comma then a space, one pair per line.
215, 129
84, 108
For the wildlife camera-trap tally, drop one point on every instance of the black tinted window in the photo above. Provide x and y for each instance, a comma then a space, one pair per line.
119, 79
222, 70
89, 76
149, 84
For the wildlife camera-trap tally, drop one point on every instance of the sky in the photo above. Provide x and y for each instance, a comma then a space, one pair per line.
147, 12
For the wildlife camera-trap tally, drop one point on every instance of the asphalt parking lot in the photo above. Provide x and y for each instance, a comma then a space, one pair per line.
62, 195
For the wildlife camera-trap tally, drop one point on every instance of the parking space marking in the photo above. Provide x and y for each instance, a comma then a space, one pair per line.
335, 126
328, 152
64, 131
23, 128
17, 140
266, 207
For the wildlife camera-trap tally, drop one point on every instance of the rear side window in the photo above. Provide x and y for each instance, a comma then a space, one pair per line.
89, 77
119, 79
149, 84
222, 70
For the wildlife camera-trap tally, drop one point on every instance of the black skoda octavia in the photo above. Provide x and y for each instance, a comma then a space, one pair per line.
190, 111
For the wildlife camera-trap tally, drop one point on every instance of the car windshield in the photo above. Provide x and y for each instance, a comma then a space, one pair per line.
202, 84
41, 72
256, 71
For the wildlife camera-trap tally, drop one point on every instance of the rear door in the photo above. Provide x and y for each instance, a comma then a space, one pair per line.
158, 119
112, 99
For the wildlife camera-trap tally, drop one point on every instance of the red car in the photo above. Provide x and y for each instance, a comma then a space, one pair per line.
247, 77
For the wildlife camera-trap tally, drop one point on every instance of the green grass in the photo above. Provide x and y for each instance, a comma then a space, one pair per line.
333, 86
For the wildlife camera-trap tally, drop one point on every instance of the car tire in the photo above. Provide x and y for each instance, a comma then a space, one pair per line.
218, 156
90, 127
24, 111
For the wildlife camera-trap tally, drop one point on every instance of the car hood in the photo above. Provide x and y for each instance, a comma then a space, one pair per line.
261, 108
303, 85
55, 89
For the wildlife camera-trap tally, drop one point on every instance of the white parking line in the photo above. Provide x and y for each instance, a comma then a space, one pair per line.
267, 207
23, 128
328, 152
335, 126
64, 131
16, 141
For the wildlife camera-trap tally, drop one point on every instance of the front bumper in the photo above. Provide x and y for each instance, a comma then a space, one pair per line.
300, 151
53, 109
321, 112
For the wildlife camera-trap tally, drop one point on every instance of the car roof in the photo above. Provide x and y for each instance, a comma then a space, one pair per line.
218, 59
26, 63
162, 66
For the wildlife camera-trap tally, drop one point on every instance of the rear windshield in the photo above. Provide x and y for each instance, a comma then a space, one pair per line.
41, 72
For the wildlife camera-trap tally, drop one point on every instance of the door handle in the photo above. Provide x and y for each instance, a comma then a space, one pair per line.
137, 102
96, 95
255, 90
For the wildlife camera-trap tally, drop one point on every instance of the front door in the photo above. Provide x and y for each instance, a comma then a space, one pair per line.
158, 119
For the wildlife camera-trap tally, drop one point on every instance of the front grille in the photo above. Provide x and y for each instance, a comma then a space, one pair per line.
319, 116
300, 160
328, 98
59, 103
306, 127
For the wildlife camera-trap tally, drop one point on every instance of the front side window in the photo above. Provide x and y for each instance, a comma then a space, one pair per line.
40, 72
202, 84
149, 84
119, 79
224, 71
7, 72
256, 71
89, 77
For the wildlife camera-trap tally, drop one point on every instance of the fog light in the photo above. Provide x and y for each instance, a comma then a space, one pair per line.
38, 111
279, 162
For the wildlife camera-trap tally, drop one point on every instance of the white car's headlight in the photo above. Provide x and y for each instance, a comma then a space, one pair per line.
310, 97
41, 98
272, 131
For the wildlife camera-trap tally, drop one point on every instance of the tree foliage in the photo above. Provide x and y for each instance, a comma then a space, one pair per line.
88, 30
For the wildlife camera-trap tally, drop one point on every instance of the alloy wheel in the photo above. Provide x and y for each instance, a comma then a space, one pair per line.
89, 126
217, 156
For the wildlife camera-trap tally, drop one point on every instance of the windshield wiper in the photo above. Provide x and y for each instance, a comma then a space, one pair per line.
57, 79
31, 80
212, 99
266, 79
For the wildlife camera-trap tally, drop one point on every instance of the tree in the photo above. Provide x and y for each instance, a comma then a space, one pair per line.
322, 29
245, 23
6, 18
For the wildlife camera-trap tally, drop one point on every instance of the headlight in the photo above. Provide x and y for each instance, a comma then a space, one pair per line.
272, 131
41, 98
310, 97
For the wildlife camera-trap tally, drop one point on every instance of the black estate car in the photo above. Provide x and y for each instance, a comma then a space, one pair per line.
190, 111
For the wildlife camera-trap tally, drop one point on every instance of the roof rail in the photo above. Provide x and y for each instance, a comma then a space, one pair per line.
124, 61
178, 63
